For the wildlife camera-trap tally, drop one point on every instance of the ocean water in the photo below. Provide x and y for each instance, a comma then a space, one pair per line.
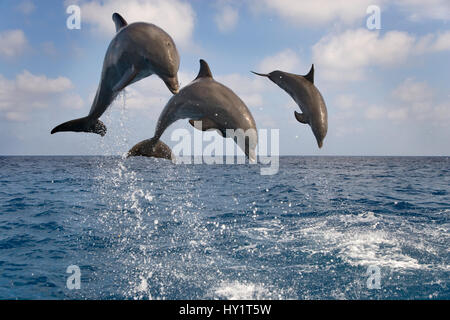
148, 229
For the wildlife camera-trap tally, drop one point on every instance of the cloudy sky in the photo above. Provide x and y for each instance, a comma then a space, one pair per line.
387, 91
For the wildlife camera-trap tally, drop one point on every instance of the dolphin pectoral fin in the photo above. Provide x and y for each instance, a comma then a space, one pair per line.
300, 117
310, 75
207, 124
119, 21
126, 79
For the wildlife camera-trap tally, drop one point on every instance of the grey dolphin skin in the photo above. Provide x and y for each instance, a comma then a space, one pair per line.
158, 150
137, 51
307, 97
219, 108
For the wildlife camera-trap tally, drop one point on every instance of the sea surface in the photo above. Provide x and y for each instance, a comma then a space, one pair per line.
322, 228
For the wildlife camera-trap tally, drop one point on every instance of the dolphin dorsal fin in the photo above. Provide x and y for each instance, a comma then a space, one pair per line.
310, 75
119, 21
204, 72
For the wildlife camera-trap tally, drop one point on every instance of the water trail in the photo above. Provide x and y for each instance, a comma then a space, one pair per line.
137, 212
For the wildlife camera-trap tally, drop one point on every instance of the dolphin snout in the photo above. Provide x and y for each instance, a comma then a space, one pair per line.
261, 74
252, 156
320, 143
319, 134
172, 84
272, 77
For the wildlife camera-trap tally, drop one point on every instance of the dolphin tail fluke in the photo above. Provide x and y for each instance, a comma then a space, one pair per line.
82, 125
153, 147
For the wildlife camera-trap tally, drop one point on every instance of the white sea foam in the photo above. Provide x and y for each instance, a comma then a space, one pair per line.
371, 248
369, 239
359, 240
241, 291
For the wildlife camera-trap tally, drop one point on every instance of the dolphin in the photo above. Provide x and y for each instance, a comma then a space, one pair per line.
137, 51
159, 150
215, 105
307, 97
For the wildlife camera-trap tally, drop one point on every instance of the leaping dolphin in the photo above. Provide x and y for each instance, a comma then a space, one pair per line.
307, 97
209, 101
137, 51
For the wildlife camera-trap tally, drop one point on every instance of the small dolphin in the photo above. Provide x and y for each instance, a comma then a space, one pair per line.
137, 51
209, 101
307, 97
159, 150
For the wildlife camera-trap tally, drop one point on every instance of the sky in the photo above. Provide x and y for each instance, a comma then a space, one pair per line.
386, 90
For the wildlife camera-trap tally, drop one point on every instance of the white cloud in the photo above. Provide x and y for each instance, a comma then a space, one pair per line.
346, 106
433, 43
72, 101
227, 19
346, 102
147, 93
13, 43
318, 12
442, 42
375, 112
349, 12
411, 100
411, 91
398, 114
18, 97
26, 7
344, 57
16, 116
344, 130
29, 83
389, 113
286, 60
430, 9
418, 97
176, 17
442, 113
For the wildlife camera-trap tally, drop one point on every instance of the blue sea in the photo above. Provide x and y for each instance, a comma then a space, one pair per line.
322, 228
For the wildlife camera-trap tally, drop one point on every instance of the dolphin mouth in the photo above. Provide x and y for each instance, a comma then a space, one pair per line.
174, 90
172, 84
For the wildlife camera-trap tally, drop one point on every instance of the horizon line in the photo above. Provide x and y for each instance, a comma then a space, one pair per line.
284, 155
